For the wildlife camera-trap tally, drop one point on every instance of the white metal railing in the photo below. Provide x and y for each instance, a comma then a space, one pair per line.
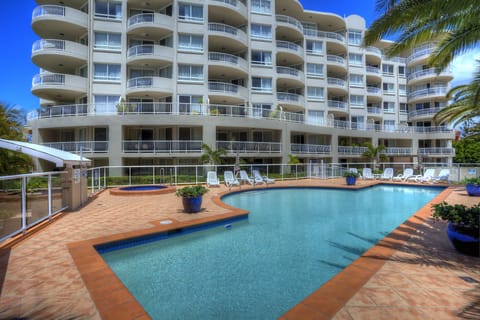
371, 69
336, 82
417, 53
335, 59
224, 58
51, 44
290, 20
436, 151
310, 148
431, 72
233, 3
250, 146
80, 146
48, 10
162, 146
289, 97
288, 70
48, 79
168, 108
289, 46
436, 91
374, 50
423, 112
28, 199
351, 150
374, 90
397, 151
323, 34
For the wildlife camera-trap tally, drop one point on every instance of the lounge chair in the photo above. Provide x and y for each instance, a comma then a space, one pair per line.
426, 177
367, 173
258, 176
245, 178
387, 174
407, 173
442, 176
212, 179
230, 179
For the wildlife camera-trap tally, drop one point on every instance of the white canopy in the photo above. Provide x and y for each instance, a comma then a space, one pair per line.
59, 157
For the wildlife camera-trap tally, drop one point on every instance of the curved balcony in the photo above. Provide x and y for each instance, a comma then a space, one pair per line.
290, 77
59, 55
420, 54
233, 11
289, 52
232, 38
373, 74
336, 63
418, 76
153, 86
229, 92
58, 86
423, 114
336, 86
337, 105
426, 94
50, 21
374, 51
153, 25
150, 55
294, 101
374, 92
223, 63
289, 26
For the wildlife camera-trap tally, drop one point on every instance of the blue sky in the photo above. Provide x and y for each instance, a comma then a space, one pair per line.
17, 37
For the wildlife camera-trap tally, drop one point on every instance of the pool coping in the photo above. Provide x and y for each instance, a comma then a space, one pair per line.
114, 301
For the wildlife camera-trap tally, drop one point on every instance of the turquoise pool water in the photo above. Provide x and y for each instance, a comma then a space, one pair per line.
293, 241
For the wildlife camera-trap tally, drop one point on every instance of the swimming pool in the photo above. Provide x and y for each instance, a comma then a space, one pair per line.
294, 241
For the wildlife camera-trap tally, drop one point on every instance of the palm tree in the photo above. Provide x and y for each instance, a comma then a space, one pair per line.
11, 128
374, 153
454, 27
212, 156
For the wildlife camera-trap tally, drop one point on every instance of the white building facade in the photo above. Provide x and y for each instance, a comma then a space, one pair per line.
135, 82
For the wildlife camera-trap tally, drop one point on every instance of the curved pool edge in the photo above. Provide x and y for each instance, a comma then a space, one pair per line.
325, 302
119, 192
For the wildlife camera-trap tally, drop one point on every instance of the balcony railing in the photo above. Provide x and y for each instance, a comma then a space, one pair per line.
228, 59
151, 19
351, 150
336, 82
290, 20
289, 71
397, 151
310, 148
437, 91
249, 146
374, 90
436, 151
424, 112
432, 72
228, 31
290, 97
371, 69
78, 147
162, 146
335, 59
374, 50
197, 109
290, 46
322, 34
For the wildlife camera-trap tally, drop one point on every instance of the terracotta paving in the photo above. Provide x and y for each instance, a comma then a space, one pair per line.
55, 273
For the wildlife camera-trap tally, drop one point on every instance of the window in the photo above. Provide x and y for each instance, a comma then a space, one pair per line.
389, 106
107, 40
314, 47
402, 89
261, 6
190, 104
357, 122
388, 88
190, 42
190, 12
355, 59
261, 110
403, 108
355, 37
315, 93
261, 31
105, 104
262, 58
401, 71
389, 125
315, 116
356, 100
108, 9
262, 84
190, 72
109, 72
315, 70
387, 69
356, 80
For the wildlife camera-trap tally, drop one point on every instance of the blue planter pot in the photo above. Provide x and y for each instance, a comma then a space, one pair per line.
351, 180
463, 240
192, 205
473, 189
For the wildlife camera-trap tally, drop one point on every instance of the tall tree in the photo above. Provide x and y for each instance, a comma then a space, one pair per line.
454, 27
212, 156
11, 128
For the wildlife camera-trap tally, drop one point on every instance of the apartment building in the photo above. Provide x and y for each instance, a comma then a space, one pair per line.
141, 82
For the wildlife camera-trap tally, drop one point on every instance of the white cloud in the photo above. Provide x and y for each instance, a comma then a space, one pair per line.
463, 67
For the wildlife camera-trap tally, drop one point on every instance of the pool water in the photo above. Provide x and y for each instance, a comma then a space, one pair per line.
294, 241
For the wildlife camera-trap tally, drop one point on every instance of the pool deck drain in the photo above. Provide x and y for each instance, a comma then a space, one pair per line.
413, 274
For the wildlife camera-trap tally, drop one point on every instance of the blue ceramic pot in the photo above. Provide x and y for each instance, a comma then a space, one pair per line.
463, 239
192, 205
351, 180
473, 189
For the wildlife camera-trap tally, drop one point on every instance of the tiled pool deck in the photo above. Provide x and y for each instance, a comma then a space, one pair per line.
413, 273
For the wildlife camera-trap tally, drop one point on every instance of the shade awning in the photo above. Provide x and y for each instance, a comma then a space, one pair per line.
59, 157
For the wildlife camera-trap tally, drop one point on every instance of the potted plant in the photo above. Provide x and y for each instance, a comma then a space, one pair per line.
472, 185
351, 177
191, 197
463, 226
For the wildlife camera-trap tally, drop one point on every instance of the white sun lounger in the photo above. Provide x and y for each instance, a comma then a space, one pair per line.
257, 176
230, 179
212, 179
